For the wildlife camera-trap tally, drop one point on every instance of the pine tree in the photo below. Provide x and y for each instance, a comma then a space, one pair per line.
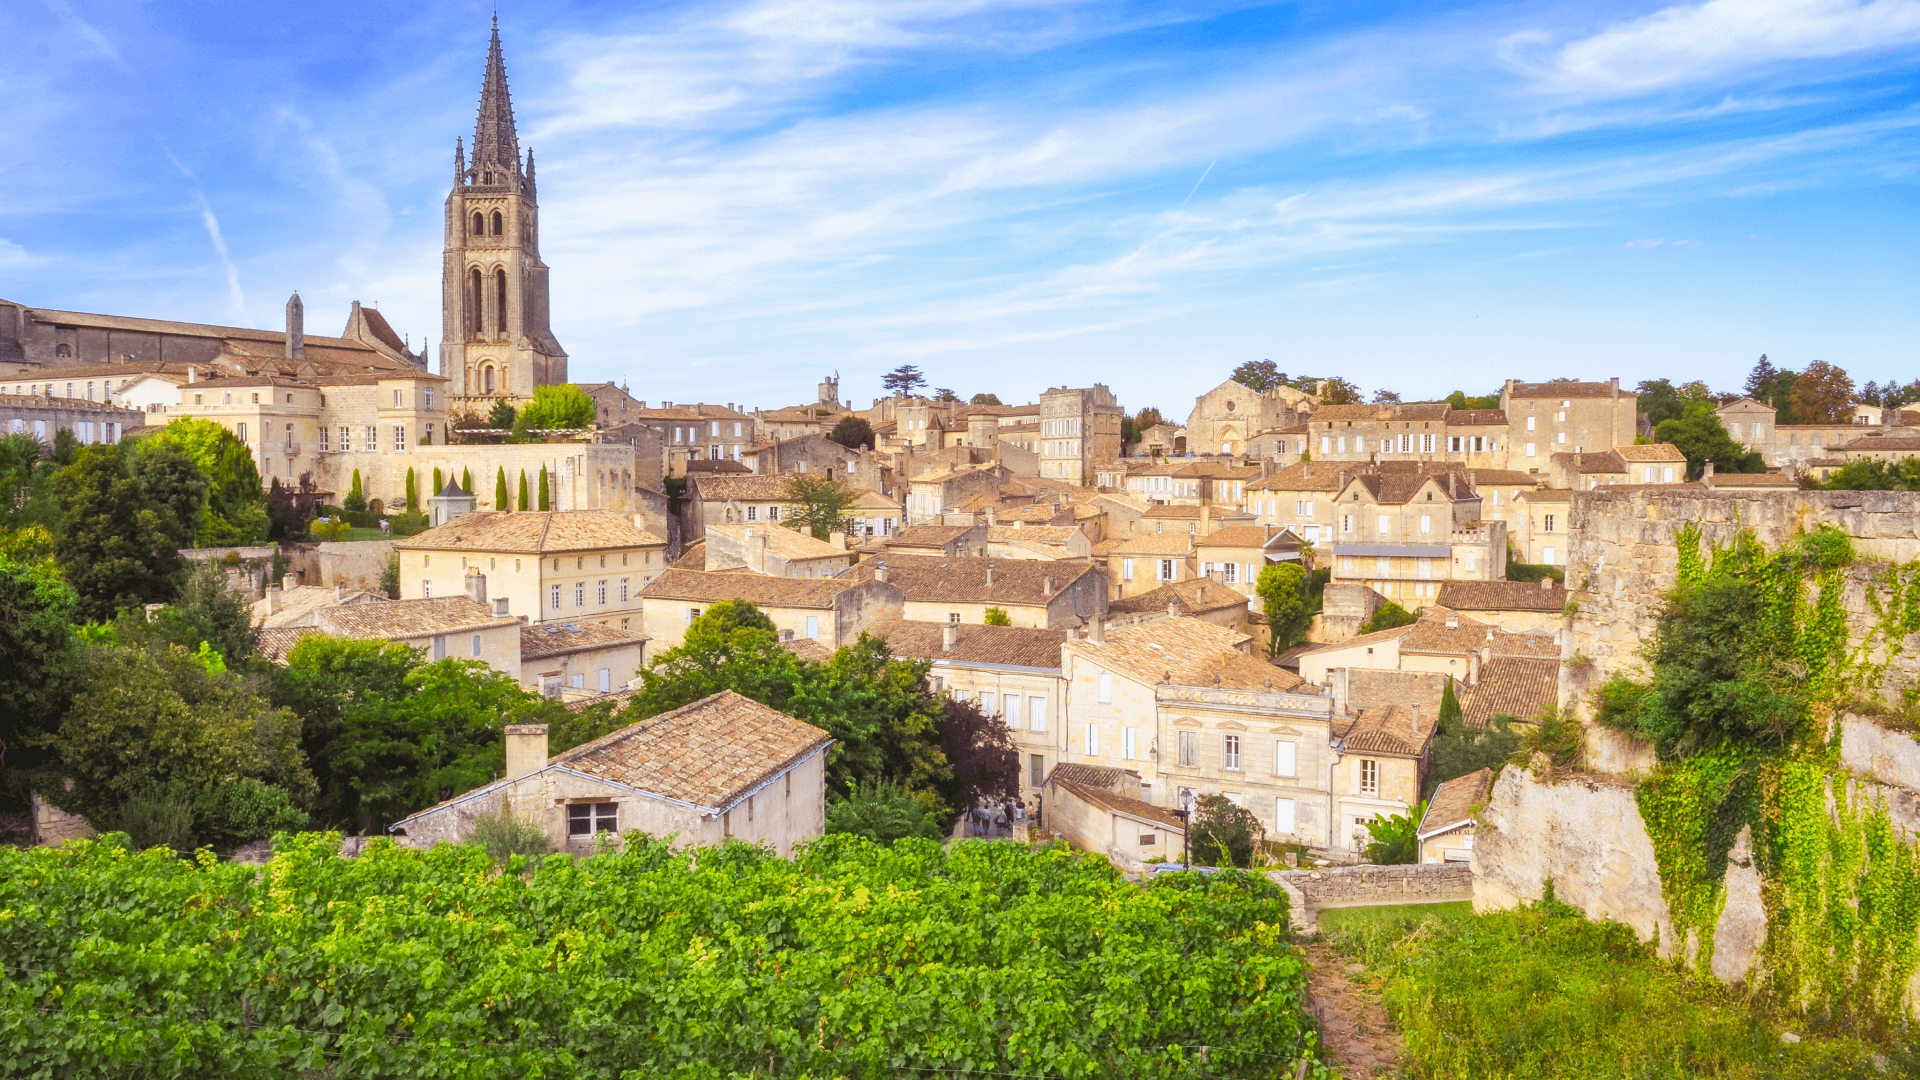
523, 489
500, 490
544, 503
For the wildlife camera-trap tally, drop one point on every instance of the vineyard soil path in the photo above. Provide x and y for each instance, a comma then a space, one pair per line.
1357, 1032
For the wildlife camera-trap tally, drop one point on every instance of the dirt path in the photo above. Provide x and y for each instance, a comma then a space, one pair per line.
1358, 1034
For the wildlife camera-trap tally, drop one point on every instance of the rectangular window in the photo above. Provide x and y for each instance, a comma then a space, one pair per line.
603, 594
440, 646
429, 393
1105, 683
753, 513
1529, 423
1343, 444
1370, 775
623, 590
773, 513
1011, 702
1232, 752
1126, 743
606, 680
1285, 758
1093, 739
373, 437
579, 594
323, 438
1668, 475
1426, 523
585, 819
1325, 444
1189, 748
813, 626
476, 644
1229, 573
1166, 569
988, 703
556, 598
1383, 564
1036, 714
1385, 523
426, 589
1426, 569
1546, 555
1283, 817
1547, 524
346, 439
1126, 569
1529, 449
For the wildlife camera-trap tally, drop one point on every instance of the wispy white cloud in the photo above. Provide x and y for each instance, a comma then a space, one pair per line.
235, 295
1692, 43
90, 34
1643, 245
12, 254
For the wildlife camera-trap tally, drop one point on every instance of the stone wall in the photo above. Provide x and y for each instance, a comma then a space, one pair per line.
1622, 561
1366, 884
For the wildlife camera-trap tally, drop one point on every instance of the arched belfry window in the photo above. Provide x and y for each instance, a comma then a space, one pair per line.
500, 298
479, 224
486, 378
476, 301
497, 221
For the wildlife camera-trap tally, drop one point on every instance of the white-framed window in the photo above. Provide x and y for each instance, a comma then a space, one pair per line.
1473, 559
429, 398
1105, 683
373, 437
1093, 739
988, 703
1189, 748
1547, 555
1529, 449
773, 513
426, 590
1231, 752
1326, 444
323, 441
1546, 523
1426, 444
1286, 758
813, 627
1011, 703
579, 594
1667, 475
1283, 817
440, 646
1229, 573
1369, 776
346, 439
1529, 423
1166, 569
476, 644
603, 593
1036, 713
1426, 523
692, 612
556, 601
585, 819
1126, 569
606, 680
1127, 743
753, 513
1385, 523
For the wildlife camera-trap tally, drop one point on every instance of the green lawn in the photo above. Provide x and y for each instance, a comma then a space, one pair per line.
1542, 993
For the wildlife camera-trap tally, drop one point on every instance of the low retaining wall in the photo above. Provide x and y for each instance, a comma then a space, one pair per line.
1359, 886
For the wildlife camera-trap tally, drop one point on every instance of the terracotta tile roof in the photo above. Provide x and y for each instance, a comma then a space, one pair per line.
711, 753
740, 488
1161, 544
1603, 462
928, 535
1547, 495
1174, 513
558, 639
692, 557
1104, 777
1116, 803
1650, 452
541, 532
808, 649
782, 541
1755, 480
301, 601
1195, 598
1880, 442
1186, 652
1396, 488
717, 466
1454, 802
1388, 729
277, 641
1567, 389
1304, 476
765, 591
1504, 478
618, 698
1107, 547
1248, 536
1020, 646
1531, 644
410, 618
1352, 412
1503, 596
1477, 418
1516, 686
1425, 410
963, 579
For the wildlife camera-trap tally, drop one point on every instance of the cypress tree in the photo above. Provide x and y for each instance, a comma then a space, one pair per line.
413, 491
466, 481
439, 482
356, 500
500, 490
544, 502
523, 490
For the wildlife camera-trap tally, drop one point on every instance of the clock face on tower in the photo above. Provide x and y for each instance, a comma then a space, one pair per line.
496, 341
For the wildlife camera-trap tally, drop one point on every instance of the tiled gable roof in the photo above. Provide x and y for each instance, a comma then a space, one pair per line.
1388, 729
1453, 803
782, 541
1173, 513
928, 535
763, 590
1590, 463
277, 641
1517, 686
1105, 777
1194, 596
538, 532
1503, 596
711, 753
758, 489
410, 618
1247, 536
558, 639
1477, 418
1650, 452
1567, 389
1184, 652
1114, 802
1397, 488
1020, 646
1159, 544
963, 579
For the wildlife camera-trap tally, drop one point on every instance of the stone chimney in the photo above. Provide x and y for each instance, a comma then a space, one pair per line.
993, 516
1706, 475
1338, 680
1416, 718
1203, 591
949, 636
193, 374
1046, 585
499, 607
526, 749
880, 573
990, 576
1173, 609
340, 591
476, 585
296, 329
273, 599
1453, 620
838, 539
756, 553
1097, 630
289, 582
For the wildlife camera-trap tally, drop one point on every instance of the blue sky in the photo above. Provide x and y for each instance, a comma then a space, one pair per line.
739, 197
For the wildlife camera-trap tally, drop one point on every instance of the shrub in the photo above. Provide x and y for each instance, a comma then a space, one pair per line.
356, 500
1224, 834
1396, 838
883, 812
244, 811
158, 817
507, 834
1389, 616
998, 617
1552, 744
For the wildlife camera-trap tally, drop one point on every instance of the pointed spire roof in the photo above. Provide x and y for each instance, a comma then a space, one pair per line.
495, 142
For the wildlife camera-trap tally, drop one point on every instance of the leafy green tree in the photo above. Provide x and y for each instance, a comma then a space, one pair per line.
883, 812
980, 751
997, 616
500, 489
37, 610
903, 380
1389, 616
206, 610
390, 577
1864, 475
116, 550
1338, 391
818, 504
1146, 418
852, 432
1283, 589
726, 616
983, 399
1259, 376
1396, 837
1773, 386
523, 504
145, 718
1223, 834
26, 485
439, 481
1459, 748
545, 501
175, 489
356, 500
1459, 400
555, 407
1700, 435
501, 417
1822, 394
235, 510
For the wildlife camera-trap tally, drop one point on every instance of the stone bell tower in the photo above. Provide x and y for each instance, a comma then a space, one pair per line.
495, 340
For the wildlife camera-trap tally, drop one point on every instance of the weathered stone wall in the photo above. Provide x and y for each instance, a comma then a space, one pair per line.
1353, 886
1622, 561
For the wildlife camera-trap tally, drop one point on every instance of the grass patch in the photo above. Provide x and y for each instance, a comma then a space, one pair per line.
1400, 917
1542, 992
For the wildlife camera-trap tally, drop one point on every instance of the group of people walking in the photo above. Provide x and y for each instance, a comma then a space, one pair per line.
993, 815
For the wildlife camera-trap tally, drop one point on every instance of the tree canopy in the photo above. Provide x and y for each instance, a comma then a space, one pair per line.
1700, 435
818, 504
903, 380
235, 506
1259, 376
852, 432
1822, 394
1282, 587
117, 549
555, 407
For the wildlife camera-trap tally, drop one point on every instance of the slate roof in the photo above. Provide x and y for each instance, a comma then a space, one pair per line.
1453, 803
1186, 652
412, 618
1516, 686
542, 640
963, 578
1503, 596
1020, 646
710, 753
1113, 802
1195, 597
535, 532
766, 591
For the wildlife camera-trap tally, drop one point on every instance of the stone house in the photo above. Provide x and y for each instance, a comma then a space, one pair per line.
45, 416
933, 493
960, 589
723, 768
1143, 563
733, 500
943, 541
463, 626
1009, 672
1380, 767
1180, 703
590, 658
1078, 428
1441, 641
1560, 415
1514, 606
288, 604
1300, 497
774, 550
698, 432
1540, 526
555, 566
832, 611
1235, 555
1403, 533
1099, 809
1224, 419
1047, 542
1445, 832
815, 455
1893, 446
1196, 598
875, 514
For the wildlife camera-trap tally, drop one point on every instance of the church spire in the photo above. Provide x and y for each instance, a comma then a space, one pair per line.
496, 145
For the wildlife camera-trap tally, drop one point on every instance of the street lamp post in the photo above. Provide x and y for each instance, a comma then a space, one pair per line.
1186, 820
